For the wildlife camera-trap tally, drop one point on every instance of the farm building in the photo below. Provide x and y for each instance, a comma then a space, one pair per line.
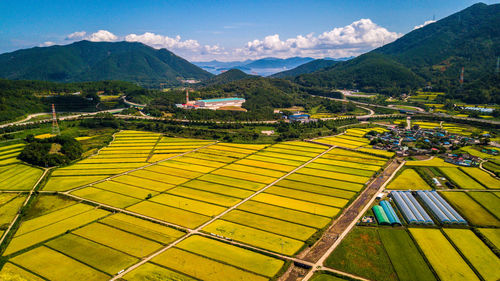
385, 215
410, 208
440, 208
217, 103
380, 215
391, 214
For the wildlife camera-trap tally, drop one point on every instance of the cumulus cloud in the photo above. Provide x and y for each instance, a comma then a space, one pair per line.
425, 23
102, 36
160, 41
353, 39
350, 40
47, 44
76, 35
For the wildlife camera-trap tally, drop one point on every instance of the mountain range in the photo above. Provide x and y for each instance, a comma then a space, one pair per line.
95, 61
227, 77
262, 67
305, 68
433, 55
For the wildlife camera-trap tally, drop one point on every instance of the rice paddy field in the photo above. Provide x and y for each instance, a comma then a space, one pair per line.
471, 208
129, 150
457, 254
461, 179
144, 191
482, 177
408, 179
468, 178
362, 253
18, 176
380, 254
354, 139
400, 253
9, 153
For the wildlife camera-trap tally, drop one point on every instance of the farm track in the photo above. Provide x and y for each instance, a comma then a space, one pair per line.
24, 204
140, 168
309, 259
197, 230
320, 251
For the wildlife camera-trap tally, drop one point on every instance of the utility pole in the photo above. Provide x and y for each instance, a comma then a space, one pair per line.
55, 126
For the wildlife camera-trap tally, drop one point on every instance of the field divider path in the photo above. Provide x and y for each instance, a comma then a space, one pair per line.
13, 222
197, 230
138, 169
119, 210
319, 263
486, 170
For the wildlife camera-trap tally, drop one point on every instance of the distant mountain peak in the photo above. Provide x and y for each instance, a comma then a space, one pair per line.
94, 61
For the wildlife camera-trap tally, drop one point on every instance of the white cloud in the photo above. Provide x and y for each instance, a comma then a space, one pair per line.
425, 23
76, 35
159, 41
102, 36
47, 44
353, 39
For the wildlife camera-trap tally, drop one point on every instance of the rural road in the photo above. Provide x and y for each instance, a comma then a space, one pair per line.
197, 230
395, 106
352, 214
124, 98
26, 121
416, 111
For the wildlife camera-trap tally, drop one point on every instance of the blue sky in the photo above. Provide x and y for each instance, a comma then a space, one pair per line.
224, 30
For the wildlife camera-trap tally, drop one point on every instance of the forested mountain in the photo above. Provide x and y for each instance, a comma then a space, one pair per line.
305, 68
278, 63
262, 67
226, 77
432, 55
96, 61
21, 97
371, 72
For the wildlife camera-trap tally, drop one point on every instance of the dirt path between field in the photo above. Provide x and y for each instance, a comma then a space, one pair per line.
340, 227
197, 230
13, 222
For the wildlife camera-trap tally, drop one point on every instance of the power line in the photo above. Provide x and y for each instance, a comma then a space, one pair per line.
55, 126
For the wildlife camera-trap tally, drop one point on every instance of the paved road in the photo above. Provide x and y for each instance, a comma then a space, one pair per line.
124, 98
26, 121
416, 111
352, 214
395, 106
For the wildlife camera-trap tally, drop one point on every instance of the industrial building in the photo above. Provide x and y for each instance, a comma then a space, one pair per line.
217, 103
440, 208
211, 103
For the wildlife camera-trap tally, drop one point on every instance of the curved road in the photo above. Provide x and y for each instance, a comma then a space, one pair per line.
416, 111
26, 121
395, 106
